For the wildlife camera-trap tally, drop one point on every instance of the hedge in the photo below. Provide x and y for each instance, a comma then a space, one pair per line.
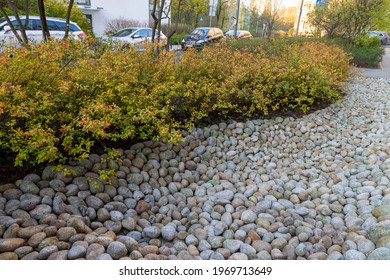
61, 99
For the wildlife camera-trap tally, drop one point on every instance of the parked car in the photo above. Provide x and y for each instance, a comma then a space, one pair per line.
201, 37
34, 29
241, 34
385, 39
136, 36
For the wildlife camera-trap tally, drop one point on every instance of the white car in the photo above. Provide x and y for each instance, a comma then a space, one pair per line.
136, 36
34, 29
241, 34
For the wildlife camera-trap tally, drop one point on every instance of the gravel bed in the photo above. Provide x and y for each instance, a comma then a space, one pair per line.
316, 187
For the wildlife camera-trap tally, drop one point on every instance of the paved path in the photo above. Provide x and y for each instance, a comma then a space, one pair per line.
383, 71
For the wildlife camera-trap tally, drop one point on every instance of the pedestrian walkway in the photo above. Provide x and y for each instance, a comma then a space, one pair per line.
383, 71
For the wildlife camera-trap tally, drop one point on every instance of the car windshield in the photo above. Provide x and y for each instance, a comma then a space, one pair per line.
198, 32
231, 32
124, 32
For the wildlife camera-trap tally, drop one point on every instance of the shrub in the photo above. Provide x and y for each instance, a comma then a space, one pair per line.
177, 38
181, 28
365, 51
369, 57
59, 100
366, 41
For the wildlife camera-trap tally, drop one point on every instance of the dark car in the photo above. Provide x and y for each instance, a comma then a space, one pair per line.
241, 34
201, 37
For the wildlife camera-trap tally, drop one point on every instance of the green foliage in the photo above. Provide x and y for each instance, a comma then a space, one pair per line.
365, 51
366, 41
350, 18
177, 38
181, 28
105, 175
59, 100
367, 56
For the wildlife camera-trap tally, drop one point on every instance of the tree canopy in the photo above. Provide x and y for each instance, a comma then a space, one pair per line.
348, 18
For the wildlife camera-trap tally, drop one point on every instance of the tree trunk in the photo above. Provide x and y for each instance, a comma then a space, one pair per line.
42, 15
153, 14
68, 13
159, 20
27, 10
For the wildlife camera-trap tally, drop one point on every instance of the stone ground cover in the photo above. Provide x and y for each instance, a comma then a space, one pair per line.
314, 187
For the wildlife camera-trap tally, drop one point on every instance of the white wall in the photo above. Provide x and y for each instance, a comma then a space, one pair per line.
103, 11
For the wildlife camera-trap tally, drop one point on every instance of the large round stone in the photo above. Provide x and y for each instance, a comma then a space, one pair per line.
378, 231
384, 241
248, 216
152, 232
117, 250
135, 179
76, 252
40, 211
382, 210
11, 244
65, 233
168, 233
380, 254
29, 187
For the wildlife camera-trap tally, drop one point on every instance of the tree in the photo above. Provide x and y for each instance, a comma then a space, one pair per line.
348, 18
272, 14
191, 10
288, 17
157, 15
256, 22
222, 12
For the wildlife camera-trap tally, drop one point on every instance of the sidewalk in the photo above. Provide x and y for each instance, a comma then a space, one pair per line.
383, 71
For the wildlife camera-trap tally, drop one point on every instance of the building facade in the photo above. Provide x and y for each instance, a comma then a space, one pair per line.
100, 12
305, 29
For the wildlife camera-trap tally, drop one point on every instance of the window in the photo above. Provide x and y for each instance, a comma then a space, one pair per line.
143, 33
17, 27
83, 2
123, 33
51, 25
37, 24
89, 17
197, 32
